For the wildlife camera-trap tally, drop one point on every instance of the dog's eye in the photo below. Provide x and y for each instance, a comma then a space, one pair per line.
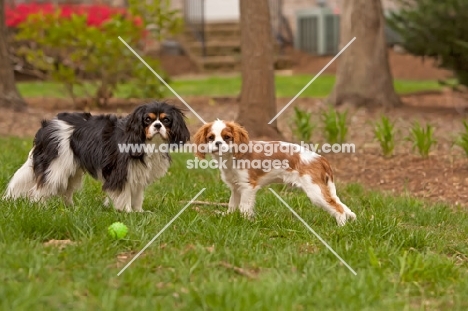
148, 120
165, 120
211, 137
226, 137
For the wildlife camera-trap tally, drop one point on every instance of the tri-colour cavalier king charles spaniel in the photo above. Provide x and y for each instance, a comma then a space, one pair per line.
71, 144
297, 166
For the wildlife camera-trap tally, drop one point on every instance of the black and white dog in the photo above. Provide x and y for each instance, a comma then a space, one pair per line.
74, 143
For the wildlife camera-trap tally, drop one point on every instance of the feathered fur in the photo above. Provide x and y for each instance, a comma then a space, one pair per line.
72, 144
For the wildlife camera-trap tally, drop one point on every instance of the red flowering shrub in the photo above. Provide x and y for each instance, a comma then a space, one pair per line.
96, 14
78, 45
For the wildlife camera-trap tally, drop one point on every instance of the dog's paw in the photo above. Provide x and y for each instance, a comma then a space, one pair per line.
342, 218
249, 215
223, 214
68, 202
350, 215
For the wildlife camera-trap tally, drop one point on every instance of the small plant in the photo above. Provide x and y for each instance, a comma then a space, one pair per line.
422, 138
462, 140
335, 126
302, 128
385, 134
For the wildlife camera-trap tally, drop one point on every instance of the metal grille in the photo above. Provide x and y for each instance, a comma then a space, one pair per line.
308, 39
318, 31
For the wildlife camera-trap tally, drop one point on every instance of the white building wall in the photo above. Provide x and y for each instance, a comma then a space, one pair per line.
228, 10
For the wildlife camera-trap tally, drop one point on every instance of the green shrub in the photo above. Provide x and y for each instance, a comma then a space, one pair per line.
422, 138
334, 125
90, 58
385, 134
302, 127
436, 29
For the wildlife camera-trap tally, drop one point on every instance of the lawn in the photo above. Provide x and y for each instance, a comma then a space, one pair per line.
408, 255
286, 86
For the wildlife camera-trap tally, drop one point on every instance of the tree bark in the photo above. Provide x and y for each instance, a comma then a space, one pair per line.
9, 95
257, 100
363, 74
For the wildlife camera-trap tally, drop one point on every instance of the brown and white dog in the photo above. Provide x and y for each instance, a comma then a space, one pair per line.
246, 167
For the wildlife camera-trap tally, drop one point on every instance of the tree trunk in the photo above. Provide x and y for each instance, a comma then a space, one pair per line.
363, 74
257, 100
9, 95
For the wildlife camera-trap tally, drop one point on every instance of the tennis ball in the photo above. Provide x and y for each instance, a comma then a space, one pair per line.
117, 230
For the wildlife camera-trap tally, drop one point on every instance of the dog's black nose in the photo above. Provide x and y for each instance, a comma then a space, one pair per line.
218, 143
157, 126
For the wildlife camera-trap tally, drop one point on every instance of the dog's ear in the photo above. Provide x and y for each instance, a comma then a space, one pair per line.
240, 137
135, 131
179, 132
201, 141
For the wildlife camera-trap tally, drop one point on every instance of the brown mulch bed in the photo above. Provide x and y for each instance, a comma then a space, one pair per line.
441, 177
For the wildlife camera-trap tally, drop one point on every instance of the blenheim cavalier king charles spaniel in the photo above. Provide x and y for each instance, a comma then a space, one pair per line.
239, 158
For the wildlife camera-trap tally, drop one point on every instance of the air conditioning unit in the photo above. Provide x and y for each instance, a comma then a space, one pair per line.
318, 31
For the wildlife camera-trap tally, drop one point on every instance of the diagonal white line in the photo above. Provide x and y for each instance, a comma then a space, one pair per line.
312, 230
160, 232
310, 82
162, 80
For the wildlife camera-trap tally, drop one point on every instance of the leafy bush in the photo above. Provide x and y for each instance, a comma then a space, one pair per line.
436, 29
335, 125
384, 133
422, 138
78, 46
462, 140
302, 128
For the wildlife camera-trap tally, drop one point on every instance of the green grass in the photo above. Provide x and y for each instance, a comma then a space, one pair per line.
286, 86
408, 255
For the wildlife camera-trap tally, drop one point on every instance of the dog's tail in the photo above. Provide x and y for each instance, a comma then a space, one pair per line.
52, 141
22, 182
